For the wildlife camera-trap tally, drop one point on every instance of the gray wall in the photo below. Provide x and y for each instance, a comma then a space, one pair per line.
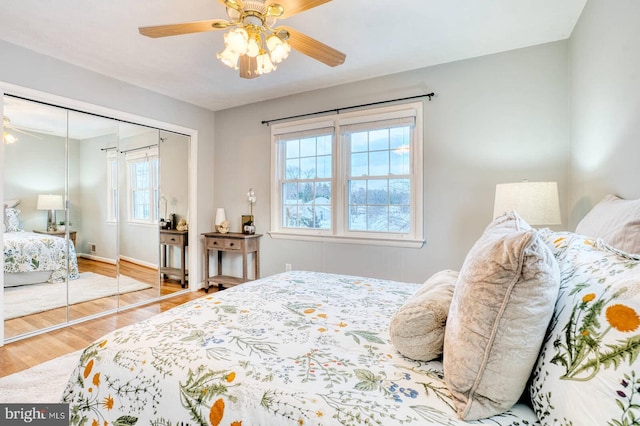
499, 118
605, 104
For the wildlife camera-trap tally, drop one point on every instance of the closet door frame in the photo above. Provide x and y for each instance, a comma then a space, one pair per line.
80, 106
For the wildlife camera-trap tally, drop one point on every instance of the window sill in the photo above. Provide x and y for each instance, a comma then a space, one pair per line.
405, 243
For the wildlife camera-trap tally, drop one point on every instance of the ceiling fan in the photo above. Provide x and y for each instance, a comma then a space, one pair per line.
10, 138
254, 45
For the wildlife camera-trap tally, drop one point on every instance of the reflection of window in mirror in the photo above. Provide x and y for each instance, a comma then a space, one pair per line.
142, 185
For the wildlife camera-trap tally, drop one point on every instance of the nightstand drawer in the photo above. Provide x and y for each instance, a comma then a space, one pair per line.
227, 244
172, 239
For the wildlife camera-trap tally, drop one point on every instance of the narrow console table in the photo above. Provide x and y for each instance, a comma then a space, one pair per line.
232, 242
179, 239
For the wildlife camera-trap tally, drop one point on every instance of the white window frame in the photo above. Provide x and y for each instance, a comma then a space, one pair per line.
339, 231
135, 157
112, 186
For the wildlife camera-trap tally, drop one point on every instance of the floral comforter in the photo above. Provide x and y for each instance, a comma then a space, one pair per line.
29, 252
298, 348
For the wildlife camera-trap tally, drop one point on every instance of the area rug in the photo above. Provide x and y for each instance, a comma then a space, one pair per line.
43, 383
31, 299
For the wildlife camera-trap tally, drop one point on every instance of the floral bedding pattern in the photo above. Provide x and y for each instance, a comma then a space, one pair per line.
299, 348
28, 252
587, 372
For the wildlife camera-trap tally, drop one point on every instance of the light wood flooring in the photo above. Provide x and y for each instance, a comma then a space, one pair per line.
25, 353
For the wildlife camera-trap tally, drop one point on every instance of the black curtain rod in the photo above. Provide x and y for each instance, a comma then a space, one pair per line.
337, 110
111, 148
139, 148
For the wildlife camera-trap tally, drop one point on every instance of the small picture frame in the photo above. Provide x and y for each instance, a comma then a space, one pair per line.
248, 226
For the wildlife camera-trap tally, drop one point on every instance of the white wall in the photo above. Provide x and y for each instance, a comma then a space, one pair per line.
499, 118
605, 104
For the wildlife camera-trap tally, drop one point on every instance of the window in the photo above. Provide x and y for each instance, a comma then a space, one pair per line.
112, 186
351, 177
142, 185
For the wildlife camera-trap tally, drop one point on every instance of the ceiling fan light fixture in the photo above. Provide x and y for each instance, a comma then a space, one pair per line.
253, 46
278, 48
8, 138
229, 57
237, 40
264, 63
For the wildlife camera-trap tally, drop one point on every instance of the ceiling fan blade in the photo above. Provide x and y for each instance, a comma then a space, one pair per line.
313, 48
186, 28
14, 129
292, 7
248, 67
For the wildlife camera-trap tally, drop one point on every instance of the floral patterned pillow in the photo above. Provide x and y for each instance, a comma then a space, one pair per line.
11, 220
587, 370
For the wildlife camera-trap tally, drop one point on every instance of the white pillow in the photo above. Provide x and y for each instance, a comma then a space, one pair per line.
11, 220
616, 221
501, 306
588, 371
417, 328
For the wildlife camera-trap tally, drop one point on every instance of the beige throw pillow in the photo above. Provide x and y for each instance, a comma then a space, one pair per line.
501, 307
616, 221
417, 328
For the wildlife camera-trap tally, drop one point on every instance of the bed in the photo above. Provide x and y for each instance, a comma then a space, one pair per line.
542, 328
299, 348
31, 258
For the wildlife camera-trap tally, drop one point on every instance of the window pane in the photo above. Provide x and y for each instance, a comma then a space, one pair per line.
290, 193
378, 218
307, 147
357, 218
324, 145
400, 191
324, 166
359, 142
399, 137
293, 169
308, 168
378, 191
307, 205
357, 192
399, 218
379, 140
360, 164
400, 161
292, 149
379, 163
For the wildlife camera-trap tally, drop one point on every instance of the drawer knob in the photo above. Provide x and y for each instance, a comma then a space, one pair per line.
231, 244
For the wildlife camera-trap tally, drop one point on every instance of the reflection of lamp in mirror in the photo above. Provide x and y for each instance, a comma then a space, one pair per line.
51, 203
535, 202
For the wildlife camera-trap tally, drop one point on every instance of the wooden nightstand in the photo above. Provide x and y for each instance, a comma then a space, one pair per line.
172, 238
232, 242
72, 234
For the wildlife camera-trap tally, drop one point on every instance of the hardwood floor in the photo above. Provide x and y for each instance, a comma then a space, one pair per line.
25, 353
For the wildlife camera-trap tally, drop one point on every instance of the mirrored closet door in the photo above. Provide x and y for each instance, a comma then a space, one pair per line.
103, 180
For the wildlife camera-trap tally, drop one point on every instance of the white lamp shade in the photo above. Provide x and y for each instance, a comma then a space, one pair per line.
50, 202
220, 216
536, 202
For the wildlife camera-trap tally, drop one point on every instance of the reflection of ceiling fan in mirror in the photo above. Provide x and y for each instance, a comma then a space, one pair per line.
253, 45
9, 129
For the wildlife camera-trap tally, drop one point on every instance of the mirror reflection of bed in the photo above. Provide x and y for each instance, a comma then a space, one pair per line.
104, 247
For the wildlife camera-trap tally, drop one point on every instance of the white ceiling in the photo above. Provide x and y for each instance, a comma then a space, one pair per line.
378, 37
